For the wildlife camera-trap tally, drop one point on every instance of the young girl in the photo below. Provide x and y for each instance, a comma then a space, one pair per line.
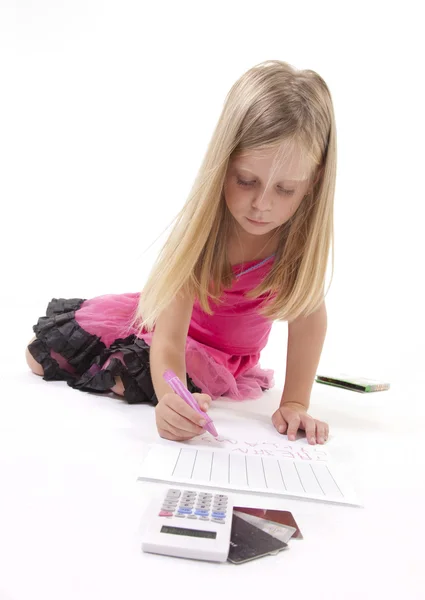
250, 246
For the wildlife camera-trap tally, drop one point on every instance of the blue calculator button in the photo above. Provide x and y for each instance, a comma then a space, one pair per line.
185, 511
219, 515
202, 512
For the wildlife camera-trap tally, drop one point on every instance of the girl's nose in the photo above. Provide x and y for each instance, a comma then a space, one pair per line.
262, 201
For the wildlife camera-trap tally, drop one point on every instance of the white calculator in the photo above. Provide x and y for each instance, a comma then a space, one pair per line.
189, 524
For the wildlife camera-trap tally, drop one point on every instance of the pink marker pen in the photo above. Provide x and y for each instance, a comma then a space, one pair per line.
178, 388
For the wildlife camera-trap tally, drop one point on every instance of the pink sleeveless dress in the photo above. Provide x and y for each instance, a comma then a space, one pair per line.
85, 337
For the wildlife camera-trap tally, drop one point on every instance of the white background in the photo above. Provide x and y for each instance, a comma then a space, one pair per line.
106, 110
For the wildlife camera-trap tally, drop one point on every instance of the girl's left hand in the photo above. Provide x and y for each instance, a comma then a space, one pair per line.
292, 416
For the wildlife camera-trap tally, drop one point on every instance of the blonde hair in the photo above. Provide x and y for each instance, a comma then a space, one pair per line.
273, 105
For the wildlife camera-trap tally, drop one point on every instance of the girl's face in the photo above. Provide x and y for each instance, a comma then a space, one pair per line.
258, 205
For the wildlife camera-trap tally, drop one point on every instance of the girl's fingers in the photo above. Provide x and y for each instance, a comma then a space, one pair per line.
179, 406
177, 421
309, 425
315, 431
170, 432
321, 432
203, 400
293, 426
326, 432
174, 434
279, 422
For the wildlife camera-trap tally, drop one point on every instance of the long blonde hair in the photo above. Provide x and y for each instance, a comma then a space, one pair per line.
270, 104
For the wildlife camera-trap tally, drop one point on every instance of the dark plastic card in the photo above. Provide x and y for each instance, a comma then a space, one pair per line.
284, 517
247, 542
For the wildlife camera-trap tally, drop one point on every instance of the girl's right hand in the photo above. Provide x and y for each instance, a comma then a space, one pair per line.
176, 420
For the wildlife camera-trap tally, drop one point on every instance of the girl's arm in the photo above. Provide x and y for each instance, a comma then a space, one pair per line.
305, 342
306, 336
169, 343
175, 420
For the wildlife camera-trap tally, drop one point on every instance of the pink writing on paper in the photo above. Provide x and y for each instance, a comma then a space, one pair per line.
264, 448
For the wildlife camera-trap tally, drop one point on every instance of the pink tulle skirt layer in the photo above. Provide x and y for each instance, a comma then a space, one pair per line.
215, 371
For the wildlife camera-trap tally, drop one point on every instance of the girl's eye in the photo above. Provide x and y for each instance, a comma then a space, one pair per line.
246, 183
249, 183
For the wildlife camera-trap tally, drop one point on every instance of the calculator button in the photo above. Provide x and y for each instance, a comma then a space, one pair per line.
222, 521
192, 517
168, 508
180, 516
202, 506
174, 493
165, 513
219, 515
184, 511
221, 496
202, 513
204, 518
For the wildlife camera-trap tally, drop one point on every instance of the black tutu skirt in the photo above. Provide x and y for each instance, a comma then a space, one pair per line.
67, 352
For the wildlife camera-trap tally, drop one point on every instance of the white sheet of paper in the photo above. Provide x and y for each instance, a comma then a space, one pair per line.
313, 477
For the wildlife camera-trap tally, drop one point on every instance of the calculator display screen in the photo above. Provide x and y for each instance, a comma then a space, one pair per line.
190, 532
